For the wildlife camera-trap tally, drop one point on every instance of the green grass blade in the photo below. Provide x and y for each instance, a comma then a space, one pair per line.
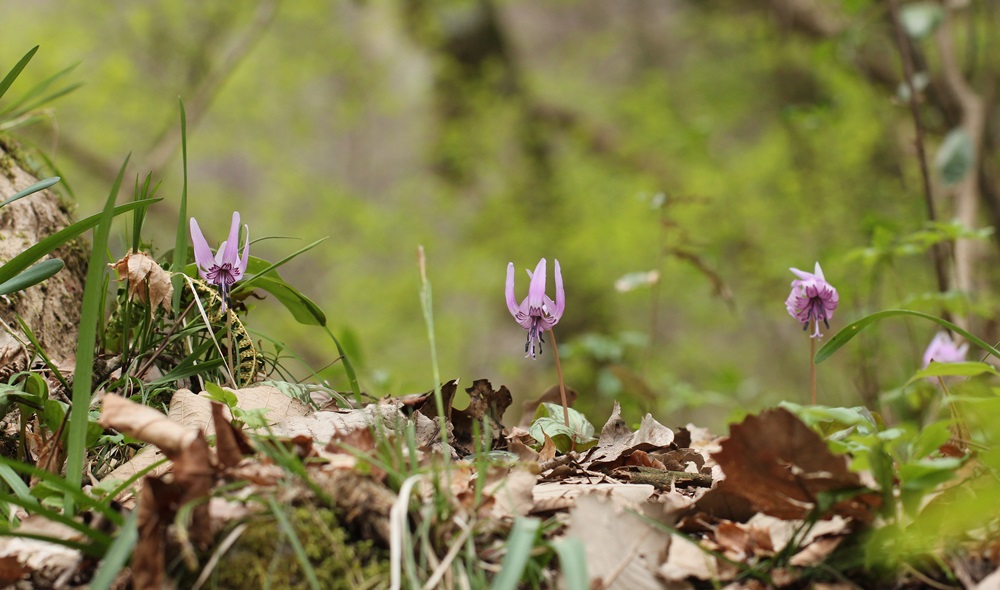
572, 563
25, 259
45, 99
352, 376
119, 552
519, 545
16, 71
34, 508
14, 481
90, 315
38, 186
845, 335
181, 241
38, 90
34, 275
300, 552
303, 309
250, 281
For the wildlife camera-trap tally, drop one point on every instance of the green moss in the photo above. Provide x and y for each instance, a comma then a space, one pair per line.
263, 556
13, 156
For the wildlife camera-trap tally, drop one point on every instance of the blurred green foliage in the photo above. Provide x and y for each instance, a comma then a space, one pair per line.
511, 131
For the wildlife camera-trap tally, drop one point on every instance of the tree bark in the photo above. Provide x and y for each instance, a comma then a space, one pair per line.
51, 310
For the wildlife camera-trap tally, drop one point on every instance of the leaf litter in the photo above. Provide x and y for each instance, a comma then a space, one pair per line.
653, 507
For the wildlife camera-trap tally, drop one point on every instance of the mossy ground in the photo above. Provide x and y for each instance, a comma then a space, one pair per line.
263, 556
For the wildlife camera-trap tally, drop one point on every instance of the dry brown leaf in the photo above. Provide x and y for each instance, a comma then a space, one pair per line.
780, 465
642, 459
617, 441
146, 280
358, 439
45, 561
513, 494
230, 444
688, 560
563, 493
548, 450
143, 459
146, 424
628, 563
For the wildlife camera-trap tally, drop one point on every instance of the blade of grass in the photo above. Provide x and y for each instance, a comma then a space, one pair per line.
181, 241
34, 275
848, 332
119, 552
519, 545
57, 482
572, 563
250, 281
38, 186
90, 315
40, 88
300, 552
427, 304
16, 71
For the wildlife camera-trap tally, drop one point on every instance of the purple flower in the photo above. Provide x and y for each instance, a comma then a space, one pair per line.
537, 313
224, 268
812, 299
942, 349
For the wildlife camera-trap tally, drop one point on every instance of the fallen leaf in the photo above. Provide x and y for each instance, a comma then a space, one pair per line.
617, 441
146, 424
45, 562
781, 466
686, 559
628, 563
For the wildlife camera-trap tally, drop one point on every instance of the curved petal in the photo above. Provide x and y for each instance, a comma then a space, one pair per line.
560, 294
819, 272
231, 248
246, 252
509, 290
536, 290
202, 253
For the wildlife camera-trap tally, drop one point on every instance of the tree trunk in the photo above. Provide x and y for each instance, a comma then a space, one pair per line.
51, 310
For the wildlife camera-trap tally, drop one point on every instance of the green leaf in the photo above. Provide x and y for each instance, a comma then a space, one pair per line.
955, 156
520, 543
850, 331
303, 309
549, 420
118, 554
572, 563
25, 259
38, 186
34, 275
16, 71
920, 19
969, 369
218, 394
90, 316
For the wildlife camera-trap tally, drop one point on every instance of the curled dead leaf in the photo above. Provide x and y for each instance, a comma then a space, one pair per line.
147, 281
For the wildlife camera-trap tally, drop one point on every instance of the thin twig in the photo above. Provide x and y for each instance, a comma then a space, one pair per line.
907, 59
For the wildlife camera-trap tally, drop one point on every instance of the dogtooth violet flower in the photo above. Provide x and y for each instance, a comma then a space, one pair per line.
942, 349
225, 267
537, 313
812, 299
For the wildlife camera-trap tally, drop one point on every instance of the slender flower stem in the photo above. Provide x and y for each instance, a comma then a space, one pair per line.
426, 303
562, 384
812, 369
